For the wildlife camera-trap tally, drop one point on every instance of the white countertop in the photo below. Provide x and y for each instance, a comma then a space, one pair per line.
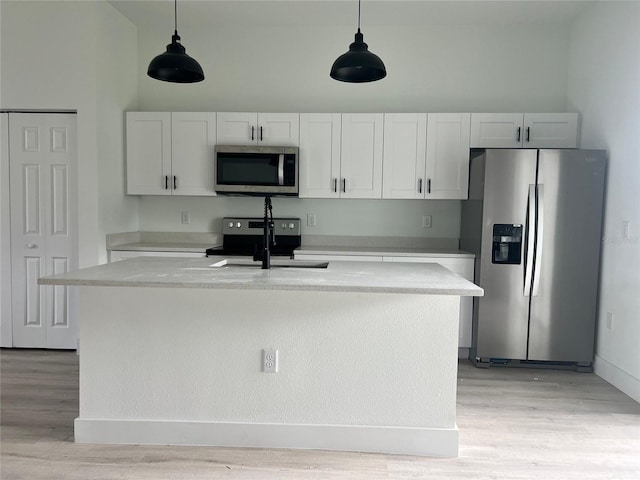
340, 276
383, 251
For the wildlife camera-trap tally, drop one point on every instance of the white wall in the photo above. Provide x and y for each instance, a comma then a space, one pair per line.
604, 86
446, 68
68, 56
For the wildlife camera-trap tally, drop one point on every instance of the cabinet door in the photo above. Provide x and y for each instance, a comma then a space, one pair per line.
193, 138
447, 155
237, 128
278, 129
550, 130
148, 153
405, 139
361, 155
319, 155
496, 130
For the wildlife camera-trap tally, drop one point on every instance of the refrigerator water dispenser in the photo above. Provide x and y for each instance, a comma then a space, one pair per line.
507, 244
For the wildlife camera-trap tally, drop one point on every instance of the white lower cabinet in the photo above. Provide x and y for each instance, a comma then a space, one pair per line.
117, 255
461, 266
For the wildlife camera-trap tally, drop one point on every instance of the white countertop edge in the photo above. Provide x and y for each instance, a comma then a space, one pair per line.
462, 292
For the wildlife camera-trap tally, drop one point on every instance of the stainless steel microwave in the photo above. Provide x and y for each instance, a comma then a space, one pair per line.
256, 170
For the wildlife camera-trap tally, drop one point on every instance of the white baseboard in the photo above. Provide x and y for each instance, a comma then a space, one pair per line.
436, 442
617, 377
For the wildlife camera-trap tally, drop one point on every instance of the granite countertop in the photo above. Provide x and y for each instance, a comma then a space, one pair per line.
340, 276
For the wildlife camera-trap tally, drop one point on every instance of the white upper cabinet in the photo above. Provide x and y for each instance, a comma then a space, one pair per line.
447, 174
550, 130
426, 155
170, 153
361, 155
248, 128
320, 155
528, 130
404, 164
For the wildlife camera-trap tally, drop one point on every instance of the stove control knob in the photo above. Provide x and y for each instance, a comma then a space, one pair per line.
284, 225
238, 225
230, 224
292, 226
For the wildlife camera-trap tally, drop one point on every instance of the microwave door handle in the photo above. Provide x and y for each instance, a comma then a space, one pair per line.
281, 169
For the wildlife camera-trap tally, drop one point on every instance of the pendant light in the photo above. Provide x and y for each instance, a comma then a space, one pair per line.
175, 65
358, 65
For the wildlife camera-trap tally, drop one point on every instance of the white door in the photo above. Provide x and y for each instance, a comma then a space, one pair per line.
447, 156
237, 128
6, 335
193, 139
149, 153
319, 155
279, 129
550, 130
496, 130
361, 155
405, 141
42, 153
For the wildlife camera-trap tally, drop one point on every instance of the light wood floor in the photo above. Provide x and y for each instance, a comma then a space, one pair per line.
514, 424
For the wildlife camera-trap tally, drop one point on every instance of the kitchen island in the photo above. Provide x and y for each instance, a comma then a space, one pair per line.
171, 353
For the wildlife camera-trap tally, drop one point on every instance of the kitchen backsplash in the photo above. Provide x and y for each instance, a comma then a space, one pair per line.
377, 218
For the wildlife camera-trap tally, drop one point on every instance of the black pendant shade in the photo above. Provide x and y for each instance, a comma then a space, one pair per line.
175, 65
358, 65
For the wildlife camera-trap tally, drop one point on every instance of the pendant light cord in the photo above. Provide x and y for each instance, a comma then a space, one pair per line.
358, 15
175, 15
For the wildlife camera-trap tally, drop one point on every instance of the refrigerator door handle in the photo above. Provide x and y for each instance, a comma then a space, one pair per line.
539, 239
531, 220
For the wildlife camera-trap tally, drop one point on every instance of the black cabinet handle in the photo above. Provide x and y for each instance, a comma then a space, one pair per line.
335, 185
166, 182
419, 185
518, 139
428, 185
175, 185
528, 129
344, 185
261, 137
252, 132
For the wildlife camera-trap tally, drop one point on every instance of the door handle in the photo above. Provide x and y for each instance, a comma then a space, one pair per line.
539, 239
428, 185
528, 134
261, 137
519, 130
335, 185
175, 182
166, 182
419, 185
344, 185
531, 219
252, 133
280, 166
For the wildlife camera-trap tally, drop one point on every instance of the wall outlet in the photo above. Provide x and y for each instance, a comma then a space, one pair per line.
270, 360
311, 220
626, 229
426, 221
609, 321
185, 217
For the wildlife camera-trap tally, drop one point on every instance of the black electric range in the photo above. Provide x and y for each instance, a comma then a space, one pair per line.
244, 236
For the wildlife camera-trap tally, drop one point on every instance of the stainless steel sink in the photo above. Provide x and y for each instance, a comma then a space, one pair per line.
275, 263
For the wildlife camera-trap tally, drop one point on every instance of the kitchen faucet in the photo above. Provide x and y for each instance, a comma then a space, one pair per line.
268, 233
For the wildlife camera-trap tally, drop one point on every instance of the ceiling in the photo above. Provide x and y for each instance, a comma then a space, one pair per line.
203, 14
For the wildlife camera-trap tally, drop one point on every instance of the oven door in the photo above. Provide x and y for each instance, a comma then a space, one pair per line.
256, 170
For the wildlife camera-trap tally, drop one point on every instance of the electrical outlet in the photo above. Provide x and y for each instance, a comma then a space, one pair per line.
609, 321
426, 221
311, 220
270, 360
185, 217
626, 229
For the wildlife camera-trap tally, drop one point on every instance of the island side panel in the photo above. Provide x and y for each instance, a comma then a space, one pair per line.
357, 371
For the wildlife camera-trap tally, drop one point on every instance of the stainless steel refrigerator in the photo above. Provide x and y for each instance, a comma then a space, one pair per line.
534, 219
